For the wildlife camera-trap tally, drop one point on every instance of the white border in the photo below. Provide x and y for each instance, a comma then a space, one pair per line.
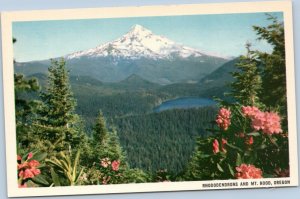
192, 9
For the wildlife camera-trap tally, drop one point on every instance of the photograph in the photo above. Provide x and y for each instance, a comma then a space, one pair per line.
179, 97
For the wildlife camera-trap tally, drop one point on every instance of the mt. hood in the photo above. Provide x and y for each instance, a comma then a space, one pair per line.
140, 52
137, 43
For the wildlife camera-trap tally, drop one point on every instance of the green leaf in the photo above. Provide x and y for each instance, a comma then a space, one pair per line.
39, 156
78, 176
204, 156
54, 163
234, 147
220, 168
230, 170
40, 179
238, 160
75, 165
55, 178
255, 134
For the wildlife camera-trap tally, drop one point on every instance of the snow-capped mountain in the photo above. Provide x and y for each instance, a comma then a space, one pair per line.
154, 58
137, 43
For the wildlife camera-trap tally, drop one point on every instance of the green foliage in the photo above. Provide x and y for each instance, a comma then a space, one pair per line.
100, 131
268, 152
58, 120
106, 154
163, 140
247, 84
135, 176
200, 165
64, 166
26, 109
273, 64
58, 98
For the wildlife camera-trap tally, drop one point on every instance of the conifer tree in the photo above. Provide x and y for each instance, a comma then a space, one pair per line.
273, 64
100, 132
247, 84
115, 149
105, 143
58, 118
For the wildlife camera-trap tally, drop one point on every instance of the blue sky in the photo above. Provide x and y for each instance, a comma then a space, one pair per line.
223, 34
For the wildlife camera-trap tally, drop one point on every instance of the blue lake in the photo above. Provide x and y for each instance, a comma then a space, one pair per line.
184, 103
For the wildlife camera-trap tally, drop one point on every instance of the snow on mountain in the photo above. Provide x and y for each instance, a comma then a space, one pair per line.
137, 43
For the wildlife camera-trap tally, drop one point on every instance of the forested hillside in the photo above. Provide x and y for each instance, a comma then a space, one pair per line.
163, 140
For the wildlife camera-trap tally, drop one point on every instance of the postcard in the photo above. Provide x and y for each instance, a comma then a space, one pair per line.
149, 99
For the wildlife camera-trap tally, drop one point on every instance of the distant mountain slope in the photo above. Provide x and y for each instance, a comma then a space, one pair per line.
214, 84
135, 82
222, 74
152, 57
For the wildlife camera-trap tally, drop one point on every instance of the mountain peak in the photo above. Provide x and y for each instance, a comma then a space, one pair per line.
137, 32
139, 28
138, 43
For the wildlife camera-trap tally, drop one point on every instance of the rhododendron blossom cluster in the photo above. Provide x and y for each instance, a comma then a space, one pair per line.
115, 165
245, 171
27, 169
223, 118
268, 122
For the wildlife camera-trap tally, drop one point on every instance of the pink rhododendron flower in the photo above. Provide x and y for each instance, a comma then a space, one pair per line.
223, 118
250, 140
105, 162
35, 171
19, 158
33, 163
29, 173
26, 174
268, 122
29, 155
216, 146
249, 171
22, 165
272, 123
115, 165
250, 111
258, 121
